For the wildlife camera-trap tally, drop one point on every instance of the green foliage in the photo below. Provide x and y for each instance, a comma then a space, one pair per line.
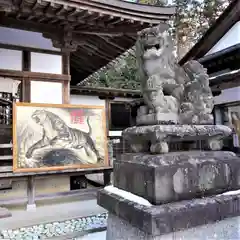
193, 18
152, 2
121, 76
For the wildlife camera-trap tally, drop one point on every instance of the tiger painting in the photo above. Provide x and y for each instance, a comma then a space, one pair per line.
57, 132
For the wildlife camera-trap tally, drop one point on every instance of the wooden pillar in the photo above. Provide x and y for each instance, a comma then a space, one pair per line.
107, 178
66, 71
31, 205
26, 90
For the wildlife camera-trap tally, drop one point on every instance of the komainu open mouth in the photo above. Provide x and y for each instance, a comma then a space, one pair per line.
156, 46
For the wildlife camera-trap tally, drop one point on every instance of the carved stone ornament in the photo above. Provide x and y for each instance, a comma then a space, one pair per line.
172, 94
156, 138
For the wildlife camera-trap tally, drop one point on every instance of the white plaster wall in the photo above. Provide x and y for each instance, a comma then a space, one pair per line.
86, 100
46, 63
25, 38
232, 37
227, 96
46, 92
10, 59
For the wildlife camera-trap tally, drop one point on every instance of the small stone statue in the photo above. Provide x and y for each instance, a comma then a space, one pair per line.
173, 94
162, 89
197, 104
178, 100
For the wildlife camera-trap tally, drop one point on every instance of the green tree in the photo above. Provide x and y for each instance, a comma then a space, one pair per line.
192, 19
152, 2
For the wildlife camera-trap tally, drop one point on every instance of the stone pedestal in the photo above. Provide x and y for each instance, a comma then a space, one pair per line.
177, 176
229, 229
188, 219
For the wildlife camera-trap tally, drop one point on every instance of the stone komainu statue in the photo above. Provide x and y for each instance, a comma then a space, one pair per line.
172, 94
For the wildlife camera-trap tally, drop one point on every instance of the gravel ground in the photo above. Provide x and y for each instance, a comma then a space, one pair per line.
55, 229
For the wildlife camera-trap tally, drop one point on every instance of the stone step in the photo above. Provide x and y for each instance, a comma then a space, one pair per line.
130, 220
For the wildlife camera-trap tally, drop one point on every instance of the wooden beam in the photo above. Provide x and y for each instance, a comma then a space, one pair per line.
83, 67
62, 14
74, 12
66, 84
66, 64
29, 49
100, 53
91, 19
29, 26
107, 178
68, 172
35, 5
132, 11
26, 90
84, 62
51, 196
116, 31
107, 40
37, 76
103, 46
62, 9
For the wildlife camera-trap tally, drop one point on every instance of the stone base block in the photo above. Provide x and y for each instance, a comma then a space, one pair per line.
228, 229
192, 219
177, 176
119, 229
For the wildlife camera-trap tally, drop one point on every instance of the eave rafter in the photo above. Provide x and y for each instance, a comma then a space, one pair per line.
96, 30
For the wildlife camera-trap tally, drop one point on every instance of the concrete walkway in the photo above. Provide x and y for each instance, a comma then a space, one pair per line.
94, 236
54, 212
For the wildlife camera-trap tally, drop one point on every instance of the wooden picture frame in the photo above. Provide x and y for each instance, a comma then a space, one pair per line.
52, 137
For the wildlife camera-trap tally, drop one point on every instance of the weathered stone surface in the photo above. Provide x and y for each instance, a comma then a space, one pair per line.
197, 104
157, 118
177, 176
168, 218
157, 137
228, 229
4, 213
157, 70
172, 93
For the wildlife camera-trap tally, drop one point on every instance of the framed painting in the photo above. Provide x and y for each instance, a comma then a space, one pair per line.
57, 136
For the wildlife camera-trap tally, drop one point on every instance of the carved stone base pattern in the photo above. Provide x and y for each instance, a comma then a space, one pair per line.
160, 136
157, 118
